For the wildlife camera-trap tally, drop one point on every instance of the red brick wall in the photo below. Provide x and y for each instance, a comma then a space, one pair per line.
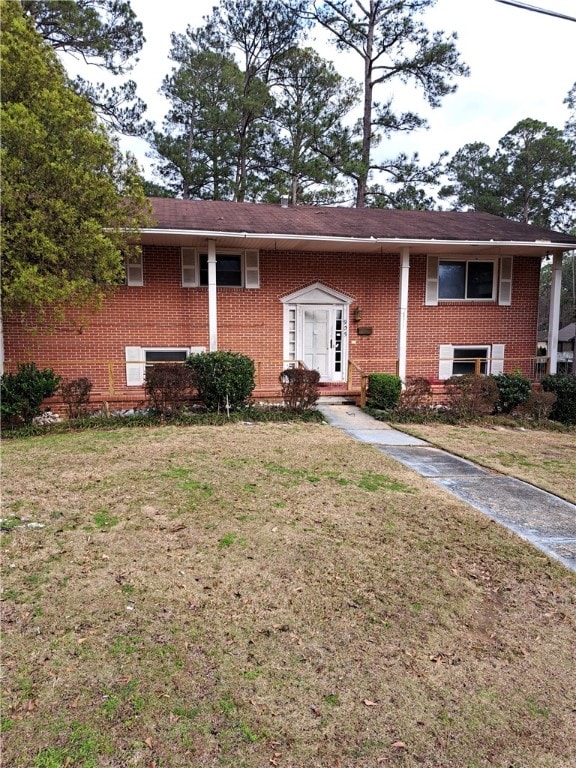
163, 314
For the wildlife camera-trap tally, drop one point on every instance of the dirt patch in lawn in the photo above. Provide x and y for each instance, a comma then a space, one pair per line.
270, 595
545, 459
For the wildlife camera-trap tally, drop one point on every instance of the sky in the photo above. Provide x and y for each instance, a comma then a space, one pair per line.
522, 65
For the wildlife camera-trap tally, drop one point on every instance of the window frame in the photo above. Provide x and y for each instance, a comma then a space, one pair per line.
135, 269
475, 260
136, 363
446, 359
249, 267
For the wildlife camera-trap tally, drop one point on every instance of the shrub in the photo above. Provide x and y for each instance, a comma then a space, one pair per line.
514, 389
416, 397
299, 388
564, 387
169, 386
224, 380
24, 391
383, 391
76, 395
471, 396
538, 406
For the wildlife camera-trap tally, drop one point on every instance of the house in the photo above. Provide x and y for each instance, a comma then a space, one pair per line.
346, 291
566, 347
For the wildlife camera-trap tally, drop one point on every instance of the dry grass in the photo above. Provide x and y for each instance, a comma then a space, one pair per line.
545, 459
270, 595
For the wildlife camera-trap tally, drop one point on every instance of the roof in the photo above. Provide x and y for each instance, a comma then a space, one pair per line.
567, 333
302, 224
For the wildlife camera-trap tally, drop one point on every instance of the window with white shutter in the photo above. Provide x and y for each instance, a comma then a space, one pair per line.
135, 270
234, 269
468, 359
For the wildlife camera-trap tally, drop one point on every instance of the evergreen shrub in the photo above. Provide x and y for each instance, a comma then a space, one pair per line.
384, 391
564, 387
224, 380
24, 391
514, 389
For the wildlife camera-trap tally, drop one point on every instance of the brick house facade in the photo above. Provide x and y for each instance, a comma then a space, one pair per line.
341, 290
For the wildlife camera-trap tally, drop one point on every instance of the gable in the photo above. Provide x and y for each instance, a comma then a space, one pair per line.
317, 293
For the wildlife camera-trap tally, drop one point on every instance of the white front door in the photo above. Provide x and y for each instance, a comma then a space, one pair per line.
322, 331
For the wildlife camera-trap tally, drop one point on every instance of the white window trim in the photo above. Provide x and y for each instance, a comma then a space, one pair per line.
501, 279
249, 265
494, 358
135, 270
135, 358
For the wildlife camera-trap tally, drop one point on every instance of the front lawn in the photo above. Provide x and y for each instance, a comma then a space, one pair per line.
544, 458
270, 595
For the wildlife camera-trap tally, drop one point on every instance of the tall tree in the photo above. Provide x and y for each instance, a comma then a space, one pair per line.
104, 33
393, 46
312, 100
198, 146
531, 177
258, 35
71, 202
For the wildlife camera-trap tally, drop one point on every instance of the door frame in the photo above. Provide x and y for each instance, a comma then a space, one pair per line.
319, 296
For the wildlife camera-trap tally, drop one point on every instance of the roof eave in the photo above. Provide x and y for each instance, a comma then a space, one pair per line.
393, 243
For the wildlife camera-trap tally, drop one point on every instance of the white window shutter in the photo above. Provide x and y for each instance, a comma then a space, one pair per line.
432, 281
497, 365
134, 270
189, 268
134, 366
446, 357
505, 288
251, 269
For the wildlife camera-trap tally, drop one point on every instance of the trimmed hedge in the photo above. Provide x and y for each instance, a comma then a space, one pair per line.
224, 380
384, 391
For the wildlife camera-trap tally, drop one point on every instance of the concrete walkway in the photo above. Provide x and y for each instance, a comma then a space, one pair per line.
546, 521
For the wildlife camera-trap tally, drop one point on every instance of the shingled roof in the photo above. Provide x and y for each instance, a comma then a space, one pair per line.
325, 222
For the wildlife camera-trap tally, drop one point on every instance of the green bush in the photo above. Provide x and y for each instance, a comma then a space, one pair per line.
224, 380
470, 396
564, 387
383, 391
24, 391
169, 387
514, 389
299, 388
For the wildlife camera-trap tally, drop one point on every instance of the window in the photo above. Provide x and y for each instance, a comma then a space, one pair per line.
228, 270
140, 358
466, 280
234, 269
134, 269
459, 279
462, 360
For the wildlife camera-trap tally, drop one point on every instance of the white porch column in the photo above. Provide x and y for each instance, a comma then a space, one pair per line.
403, 312
212, 307
554, 316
